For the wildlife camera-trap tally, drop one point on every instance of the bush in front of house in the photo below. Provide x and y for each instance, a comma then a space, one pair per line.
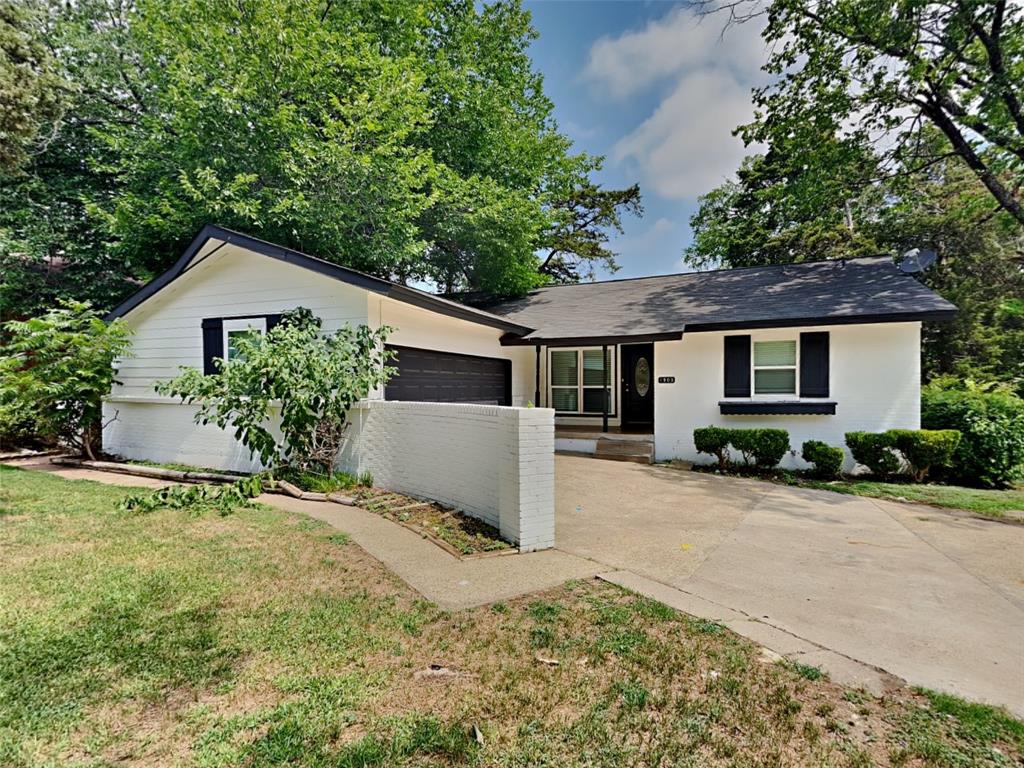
305, 380
923, 449
875, 450
761, 447
827, 459
713, 441
991, 423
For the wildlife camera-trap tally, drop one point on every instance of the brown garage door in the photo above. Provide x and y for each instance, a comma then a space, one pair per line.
443, 377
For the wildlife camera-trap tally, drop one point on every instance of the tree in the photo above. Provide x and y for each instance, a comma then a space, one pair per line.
410, 140
886, 70
296, 378
32, 93
55, 370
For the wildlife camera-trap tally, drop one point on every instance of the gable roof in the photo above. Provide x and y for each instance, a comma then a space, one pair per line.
862, 290
210, 234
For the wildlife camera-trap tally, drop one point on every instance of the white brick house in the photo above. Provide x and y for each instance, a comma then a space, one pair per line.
626, 367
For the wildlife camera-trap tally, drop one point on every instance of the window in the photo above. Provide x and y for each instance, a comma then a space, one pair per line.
235, 329
577, 380
775, 367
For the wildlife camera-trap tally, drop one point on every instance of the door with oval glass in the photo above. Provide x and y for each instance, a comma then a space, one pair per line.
638, 385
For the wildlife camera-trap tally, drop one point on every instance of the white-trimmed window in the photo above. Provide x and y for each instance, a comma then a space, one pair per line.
775, 365
236, 329
578, 380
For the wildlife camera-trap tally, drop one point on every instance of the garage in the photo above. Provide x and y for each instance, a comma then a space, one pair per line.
426, 375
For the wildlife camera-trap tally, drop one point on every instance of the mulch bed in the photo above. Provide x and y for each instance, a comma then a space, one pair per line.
458, 533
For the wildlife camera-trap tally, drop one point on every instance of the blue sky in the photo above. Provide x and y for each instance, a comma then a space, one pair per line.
657, 90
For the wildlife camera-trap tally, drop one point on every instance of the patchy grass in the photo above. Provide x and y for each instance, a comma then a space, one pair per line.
1007, 503
261, 639
180, 467
991, 503
318, 482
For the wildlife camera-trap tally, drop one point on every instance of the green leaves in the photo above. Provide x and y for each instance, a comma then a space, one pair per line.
287, 395
54, 371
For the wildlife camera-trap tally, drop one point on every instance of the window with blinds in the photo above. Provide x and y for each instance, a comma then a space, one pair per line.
577, 381
775, 366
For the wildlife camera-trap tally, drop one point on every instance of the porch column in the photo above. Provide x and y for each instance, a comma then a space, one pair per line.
536, 390
604, 400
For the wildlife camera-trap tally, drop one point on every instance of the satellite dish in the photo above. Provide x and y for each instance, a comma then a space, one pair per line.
917, 260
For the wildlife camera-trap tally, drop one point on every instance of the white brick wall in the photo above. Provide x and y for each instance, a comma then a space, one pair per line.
491, 462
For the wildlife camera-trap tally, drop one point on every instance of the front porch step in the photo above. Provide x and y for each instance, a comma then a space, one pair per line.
618, 449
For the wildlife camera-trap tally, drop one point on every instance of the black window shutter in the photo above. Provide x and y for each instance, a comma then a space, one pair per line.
272, 320
213, 343
737, 366
814, 364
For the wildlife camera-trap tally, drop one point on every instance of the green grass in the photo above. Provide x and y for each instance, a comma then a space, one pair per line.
992, 503
266, 639
317, 482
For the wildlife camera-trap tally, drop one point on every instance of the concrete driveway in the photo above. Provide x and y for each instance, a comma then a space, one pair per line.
837, 581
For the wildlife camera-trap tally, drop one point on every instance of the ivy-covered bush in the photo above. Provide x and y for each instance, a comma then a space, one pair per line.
923, 449
875, 450
761, 447
991, 424
827, 459
713, 441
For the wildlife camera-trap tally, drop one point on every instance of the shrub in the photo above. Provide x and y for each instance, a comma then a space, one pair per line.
763, 447
875, 451
315, 377
827, 459
54, 371
923, 449
991, 424
714, 441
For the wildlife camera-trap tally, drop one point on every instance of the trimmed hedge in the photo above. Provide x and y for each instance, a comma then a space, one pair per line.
761, 447
914, 451
715, 441
827, 459
991, 449
875, 450
923, 449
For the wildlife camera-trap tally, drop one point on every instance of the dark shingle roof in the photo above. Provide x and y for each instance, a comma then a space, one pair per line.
860, 290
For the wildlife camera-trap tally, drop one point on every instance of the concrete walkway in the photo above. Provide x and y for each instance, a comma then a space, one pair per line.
852, 584
451, 583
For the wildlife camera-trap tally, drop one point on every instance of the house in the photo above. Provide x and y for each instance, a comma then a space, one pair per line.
621, 367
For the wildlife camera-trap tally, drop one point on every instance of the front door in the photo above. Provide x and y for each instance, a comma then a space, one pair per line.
638, 385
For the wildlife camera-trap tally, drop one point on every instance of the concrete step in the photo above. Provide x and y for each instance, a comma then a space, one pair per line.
639, 451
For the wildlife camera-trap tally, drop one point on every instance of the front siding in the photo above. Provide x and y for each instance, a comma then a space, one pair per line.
874, 379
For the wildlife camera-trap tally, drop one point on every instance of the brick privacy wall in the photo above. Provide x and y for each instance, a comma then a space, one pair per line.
494, 463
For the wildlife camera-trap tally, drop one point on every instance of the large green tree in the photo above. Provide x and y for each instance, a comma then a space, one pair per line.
410, 140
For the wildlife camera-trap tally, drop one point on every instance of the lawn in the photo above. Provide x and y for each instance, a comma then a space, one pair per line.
992, 503
266, 639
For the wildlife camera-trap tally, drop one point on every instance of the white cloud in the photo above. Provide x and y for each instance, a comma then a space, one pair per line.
682, 40
685, 147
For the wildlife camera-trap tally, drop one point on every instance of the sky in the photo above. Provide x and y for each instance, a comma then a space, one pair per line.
657, 90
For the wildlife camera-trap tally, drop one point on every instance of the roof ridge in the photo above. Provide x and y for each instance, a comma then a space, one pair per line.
714, 271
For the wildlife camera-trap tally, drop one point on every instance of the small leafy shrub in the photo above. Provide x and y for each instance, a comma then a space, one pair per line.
923, 449
54, 371
762, 447
224, 499
874, 450
713, 441
827, 459
991, 425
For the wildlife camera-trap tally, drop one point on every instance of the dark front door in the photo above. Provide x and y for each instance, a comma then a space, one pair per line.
443, 377
638, 385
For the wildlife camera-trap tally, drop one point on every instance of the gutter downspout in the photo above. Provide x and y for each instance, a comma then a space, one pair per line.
536, 390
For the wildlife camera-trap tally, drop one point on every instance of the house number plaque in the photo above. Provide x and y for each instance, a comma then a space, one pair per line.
666, 379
